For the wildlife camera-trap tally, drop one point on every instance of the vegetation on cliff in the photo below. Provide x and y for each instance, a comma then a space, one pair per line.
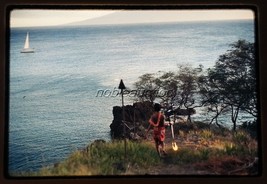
202, 151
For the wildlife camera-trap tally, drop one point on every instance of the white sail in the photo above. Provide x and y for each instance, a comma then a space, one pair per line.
27, 43
27, 48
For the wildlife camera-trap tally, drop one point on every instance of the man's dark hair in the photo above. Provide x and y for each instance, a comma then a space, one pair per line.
157, 107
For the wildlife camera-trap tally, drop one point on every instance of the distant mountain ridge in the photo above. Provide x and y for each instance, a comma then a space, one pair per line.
157, 16
124, 17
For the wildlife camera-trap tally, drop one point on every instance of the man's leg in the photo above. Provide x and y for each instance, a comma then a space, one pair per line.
163, 148
157, 147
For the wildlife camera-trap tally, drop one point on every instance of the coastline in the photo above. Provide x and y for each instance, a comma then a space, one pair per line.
203, 150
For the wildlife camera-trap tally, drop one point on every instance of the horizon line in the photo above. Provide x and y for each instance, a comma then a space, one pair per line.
137, 23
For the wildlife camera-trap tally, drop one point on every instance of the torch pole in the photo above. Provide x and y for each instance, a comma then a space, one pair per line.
123, 120
122, 87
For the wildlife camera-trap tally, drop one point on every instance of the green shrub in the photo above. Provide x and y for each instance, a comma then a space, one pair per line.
241, 138
188, 155
206, 134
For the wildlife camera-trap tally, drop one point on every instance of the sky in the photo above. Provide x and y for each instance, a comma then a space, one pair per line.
39, 17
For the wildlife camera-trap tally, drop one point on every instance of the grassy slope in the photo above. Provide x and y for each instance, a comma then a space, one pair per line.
200, 152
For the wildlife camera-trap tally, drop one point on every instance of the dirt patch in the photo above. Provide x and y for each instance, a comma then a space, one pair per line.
168, 169
229, 166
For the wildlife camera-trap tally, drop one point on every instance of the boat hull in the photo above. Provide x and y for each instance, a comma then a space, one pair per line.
27, 51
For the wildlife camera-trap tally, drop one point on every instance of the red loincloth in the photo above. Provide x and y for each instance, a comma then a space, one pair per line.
159, 133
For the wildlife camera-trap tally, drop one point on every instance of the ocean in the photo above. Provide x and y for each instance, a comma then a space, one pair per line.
53, 108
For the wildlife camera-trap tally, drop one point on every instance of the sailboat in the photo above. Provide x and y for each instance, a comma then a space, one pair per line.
27, 48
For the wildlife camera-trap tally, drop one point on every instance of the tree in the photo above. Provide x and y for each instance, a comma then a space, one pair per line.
179, 88
187, 86
146, 88
167, 83
210, 97
234, 79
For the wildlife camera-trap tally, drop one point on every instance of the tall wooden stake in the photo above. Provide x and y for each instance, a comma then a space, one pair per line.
122, 87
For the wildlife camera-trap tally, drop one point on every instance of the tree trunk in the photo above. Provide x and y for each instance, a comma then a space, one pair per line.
234, 116
189, 118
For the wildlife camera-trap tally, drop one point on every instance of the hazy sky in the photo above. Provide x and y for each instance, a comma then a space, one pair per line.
31, 18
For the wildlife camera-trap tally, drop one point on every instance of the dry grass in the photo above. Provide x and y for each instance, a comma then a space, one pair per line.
202, 151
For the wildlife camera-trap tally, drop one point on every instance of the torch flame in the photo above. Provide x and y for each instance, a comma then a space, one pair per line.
174, 146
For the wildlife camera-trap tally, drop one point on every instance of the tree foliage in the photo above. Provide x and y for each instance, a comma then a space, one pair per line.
229, 86
234, 79
187, 79
147, 87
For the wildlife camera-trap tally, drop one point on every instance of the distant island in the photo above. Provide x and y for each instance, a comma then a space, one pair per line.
124, 17
137, 17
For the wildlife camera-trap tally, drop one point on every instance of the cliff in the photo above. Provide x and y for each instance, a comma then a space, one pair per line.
136, 120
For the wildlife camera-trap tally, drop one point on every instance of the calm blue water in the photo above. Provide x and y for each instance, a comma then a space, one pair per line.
53, 108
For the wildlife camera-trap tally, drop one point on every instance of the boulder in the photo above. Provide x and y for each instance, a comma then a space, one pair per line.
136, 118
